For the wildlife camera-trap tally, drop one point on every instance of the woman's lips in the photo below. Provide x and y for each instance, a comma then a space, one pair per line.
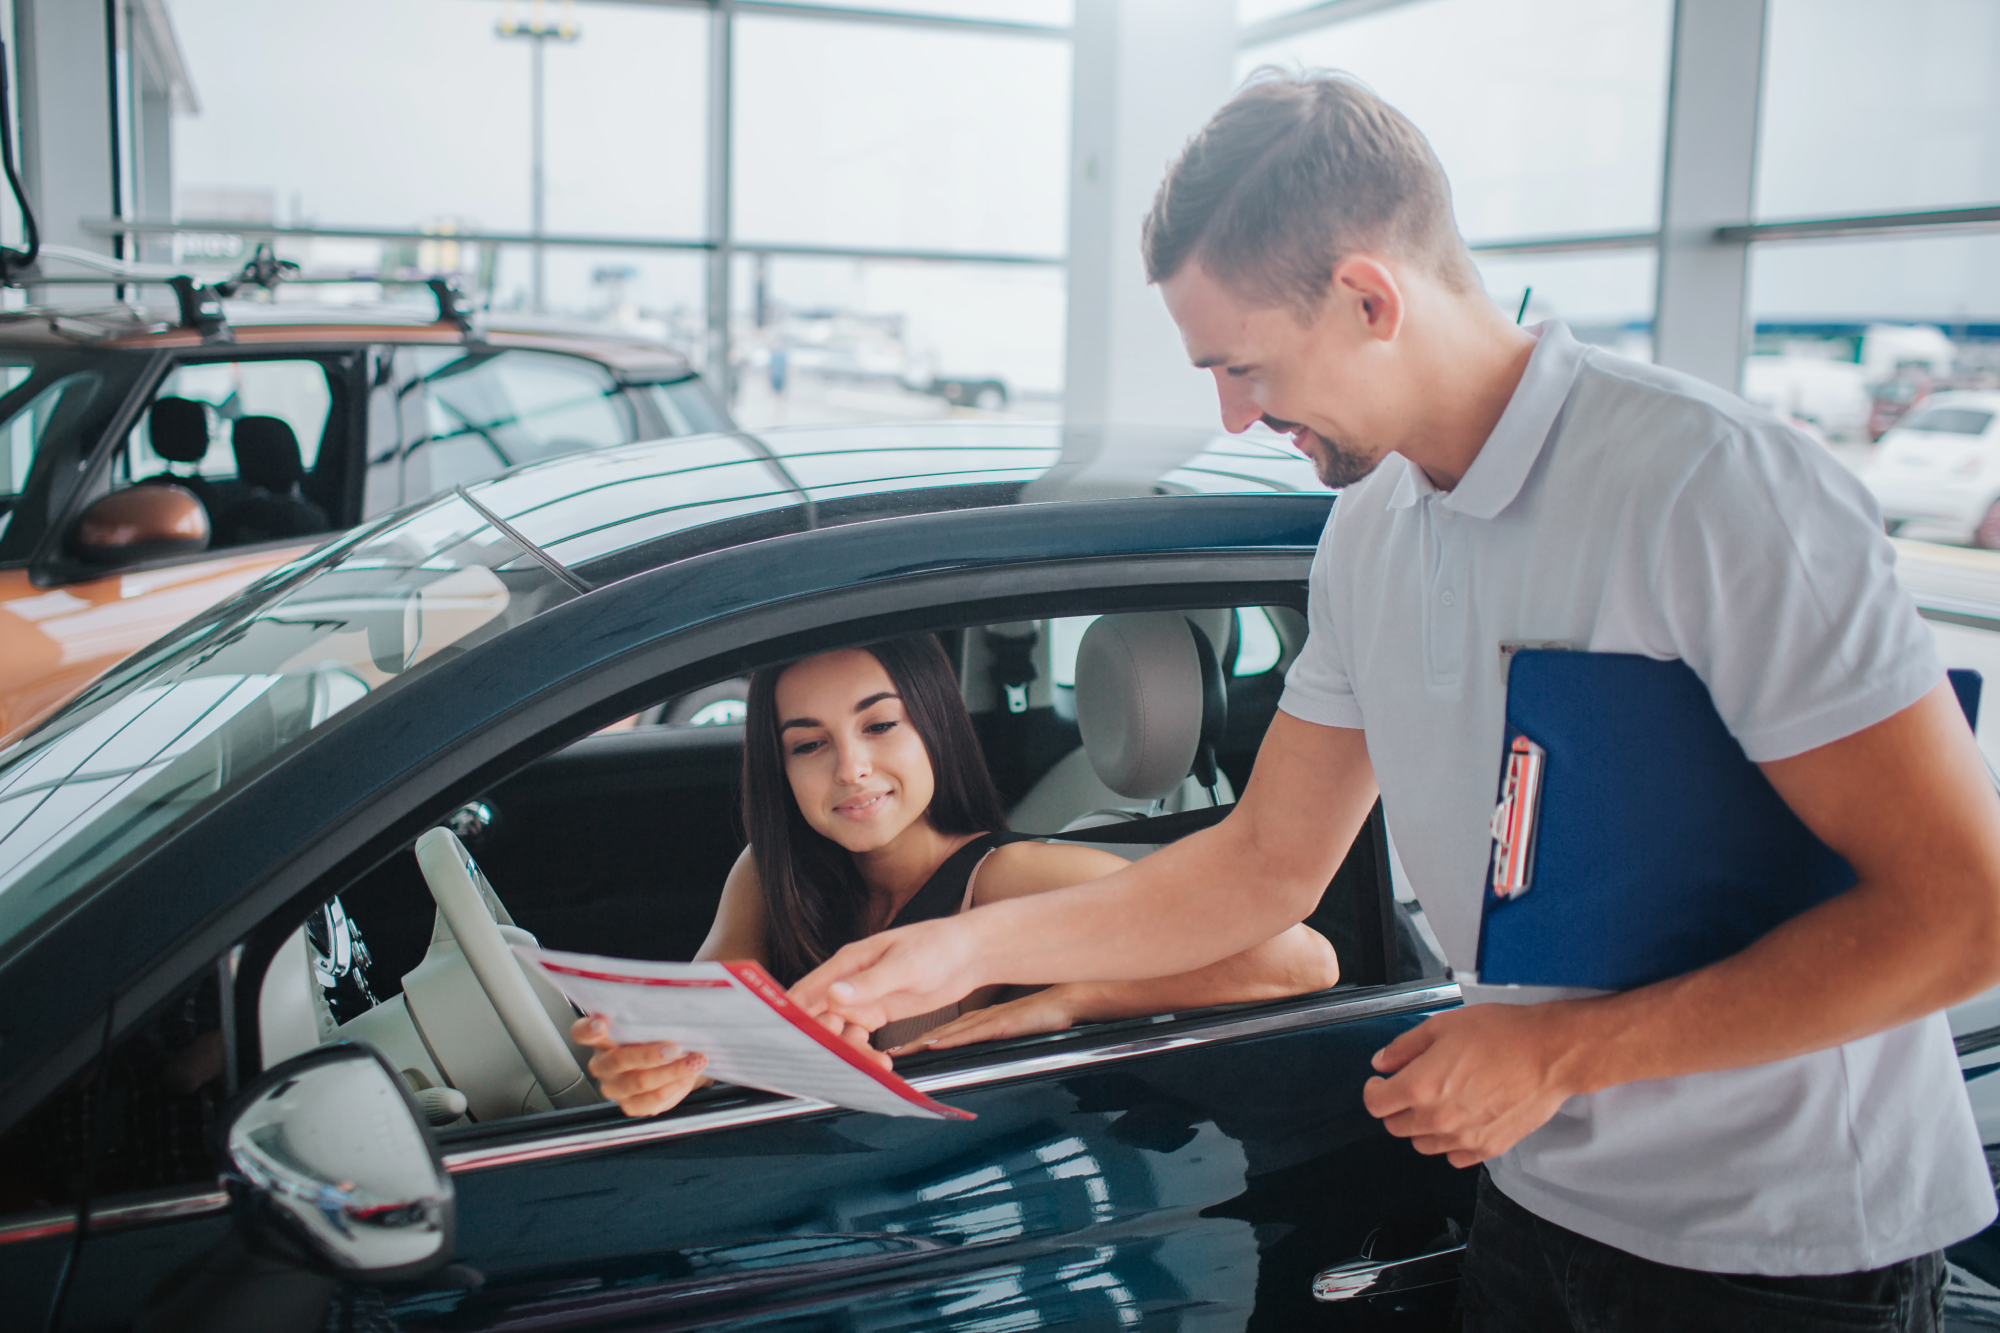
861, 807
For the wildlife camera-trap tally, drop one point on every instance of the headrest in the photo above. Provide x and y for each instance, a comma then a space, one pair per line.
179, 430
267, 453
1150, 702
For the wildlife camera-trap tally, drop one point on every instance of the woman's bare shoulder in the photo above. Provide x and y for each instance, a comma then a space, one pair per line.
1021, 868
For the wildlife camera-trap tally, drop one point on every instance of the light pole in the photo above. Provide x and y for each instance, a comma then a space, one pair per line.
540, 32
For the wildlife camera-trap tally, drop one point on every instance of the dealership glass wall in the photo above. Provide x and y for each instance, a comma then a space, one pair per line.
856, 205
853, 209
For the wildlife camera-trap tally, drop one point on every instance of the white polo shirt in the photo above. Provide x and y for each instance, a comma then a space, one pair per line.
1619, 507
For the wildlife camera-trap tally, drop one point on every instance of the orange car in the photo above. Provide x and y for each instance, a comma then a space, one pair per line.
148, 470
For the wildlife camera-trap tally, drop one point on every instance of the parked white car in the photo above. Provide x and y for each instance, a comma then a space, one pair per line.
1936, 474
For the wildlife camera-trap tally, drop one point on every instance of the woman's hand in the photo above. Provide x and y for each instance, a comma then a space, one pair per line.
645, 1078
1051, 1009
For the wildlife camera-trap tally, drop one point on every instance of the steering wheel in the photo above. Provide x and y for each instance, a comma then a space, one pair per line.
473, 911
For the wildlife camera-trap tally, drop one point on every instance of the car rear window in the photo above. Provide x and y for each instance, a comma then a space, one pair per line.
1949, 421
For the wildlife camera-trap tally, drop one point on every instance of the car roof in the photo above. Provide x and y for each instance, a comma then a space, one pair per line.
135, 327
611, 513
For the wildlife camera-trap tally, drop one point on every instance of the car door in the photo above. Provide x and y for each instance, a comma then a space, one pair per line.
1187, 1171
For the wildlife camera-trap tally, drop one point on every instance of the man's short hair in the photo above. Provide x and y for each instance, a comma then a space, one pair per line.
1296, 172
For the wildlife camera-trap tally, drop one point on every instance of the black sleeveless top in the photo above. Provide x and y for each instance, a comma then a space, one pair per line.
943, 894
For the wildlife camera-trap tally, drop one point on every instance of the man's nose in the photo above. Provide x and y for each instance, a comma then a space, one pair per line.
1239, 407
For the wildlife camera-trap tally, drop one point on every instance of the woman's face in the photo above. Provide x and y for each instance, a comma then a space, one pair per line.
857, 767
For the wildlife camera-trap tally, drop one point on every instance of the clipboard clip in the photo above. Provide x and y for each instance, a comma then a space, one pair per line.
1516, 817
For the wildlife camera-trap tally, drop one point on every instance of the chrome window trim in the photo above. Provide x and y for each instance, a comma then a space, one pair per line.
159, 1206
38, 1225
1377, 1003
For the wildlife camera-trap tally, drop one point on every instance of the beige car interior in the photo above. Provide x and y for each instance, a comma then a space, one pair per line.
480, 1037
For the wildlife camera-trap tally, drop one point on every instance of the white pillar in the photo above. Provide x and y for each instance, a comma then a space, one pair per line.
1701, 323
1147, 75
63, 55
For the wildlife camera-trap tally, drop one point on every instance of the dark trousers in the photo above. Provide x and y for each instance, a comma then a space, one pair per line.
1526, 1275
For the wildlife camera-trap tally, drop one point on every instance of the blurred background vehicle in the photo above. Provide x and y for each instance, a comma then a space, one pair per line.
150, 465
1936, 472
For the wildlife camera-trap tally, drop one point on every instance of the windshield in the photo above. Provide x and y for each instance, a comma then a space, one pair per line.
137, 754
1950, 421
45, 398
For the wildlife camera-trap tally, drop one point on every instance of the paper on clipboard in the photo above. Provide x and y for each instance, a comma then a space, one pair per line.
741, 1019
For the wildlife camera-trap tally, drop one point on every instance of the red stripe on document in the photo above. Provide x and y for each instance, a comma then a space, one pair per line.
586, 973
766, 988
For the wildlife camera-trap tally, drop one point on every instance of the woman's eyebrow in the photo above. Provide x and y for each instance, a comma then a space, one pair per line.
798, 722
874, 699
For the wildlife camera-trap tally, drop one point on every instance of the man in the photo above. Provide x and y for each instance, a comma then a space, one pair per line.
1781, 1140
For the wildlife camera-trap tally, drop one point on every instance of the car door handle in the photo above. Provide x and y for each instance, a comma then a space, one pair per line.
1371, 1277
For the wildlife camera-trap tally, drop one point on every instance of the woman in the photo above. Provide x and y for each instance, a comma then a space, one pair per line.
868, 804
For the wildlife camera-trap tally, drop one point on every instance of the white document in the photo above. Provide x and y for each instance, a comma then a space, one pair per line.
740, 1018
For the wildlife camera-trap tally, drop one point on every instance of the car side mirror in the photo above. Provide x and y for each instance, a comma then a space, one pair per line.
140, 523
331, 1165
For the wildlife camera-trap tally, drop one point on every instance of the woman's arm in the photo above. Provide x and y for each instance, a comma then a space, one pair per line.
651, 1077
1295, 962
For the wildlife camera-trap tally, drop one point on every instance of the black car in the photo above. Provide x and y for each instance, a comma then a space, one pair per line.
218, 955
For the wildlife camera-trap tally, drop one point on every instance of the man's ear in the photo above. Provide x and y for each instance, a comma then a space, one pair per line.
1369, 291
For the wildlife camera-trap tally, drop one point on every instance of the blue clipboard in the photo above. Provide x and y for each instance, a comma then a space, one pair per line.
1657, 847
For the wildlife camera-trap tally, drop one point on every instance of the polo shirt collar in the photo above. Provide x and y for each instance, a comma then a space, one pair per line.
1502, 464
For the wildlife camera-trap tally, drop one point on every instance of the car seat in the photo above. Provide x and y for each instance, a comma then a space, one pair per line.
179, 431
1151, 703
267, 463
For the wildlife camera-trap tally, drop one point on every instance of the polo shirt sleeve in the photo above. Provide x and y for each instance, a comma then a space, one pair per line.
1775, 582
1317, 688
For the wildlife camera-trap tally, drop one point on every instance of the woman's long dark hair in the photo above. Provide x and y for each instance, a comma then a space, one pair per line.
813, 894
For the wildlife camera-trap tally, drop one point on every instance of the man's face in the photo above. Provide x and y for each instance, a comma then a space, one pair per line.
1296, 378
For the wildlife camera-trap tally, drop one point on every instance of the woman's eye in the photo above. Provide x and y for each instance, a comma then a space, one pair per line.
877, 728
806, 747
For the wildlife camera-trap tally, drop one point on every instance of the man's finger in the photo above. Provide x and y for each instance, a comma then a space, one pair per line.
811, 992
1405, 1048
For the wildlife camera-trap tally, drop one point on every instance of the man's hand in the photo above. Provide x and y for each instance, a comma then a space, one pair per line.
1472, 1083
897, 974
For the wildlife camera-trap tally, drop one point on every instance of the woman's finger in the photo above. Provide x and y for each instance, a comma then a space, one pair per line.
592, 1030
616, 1060
650, 1091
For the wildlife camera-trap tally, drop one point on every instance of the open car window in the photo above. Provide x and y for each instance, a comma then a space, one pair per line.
618, 844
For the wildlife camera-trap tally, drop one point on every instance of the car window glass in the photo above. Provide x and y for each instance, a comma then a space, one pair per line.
31, 423
1258, 648
138, 1121
488, 411
687, 408
1950, 421
57, 406
293, 391
138, 753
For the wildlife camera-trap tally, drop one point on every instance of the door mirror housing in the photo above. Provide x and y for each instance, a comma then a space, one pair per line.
140, 523
331, 1165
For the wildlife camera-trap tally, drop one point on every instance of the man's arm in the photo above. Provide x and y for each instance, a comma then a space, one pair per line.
1206, 897
1911, 806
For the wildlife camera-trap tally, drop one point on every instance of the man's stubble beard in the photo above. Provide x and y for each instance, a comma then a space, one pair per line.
1337, 467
